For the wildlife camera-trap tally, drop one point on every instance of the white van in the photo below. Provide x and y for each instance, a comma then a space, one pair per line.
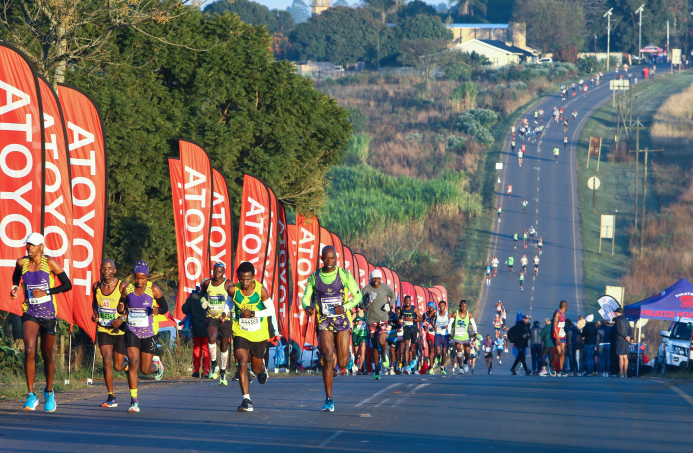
676, 345
545, 61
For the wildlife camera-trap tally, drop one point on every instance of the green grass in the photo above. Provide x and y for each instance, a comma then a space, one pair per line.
616, 192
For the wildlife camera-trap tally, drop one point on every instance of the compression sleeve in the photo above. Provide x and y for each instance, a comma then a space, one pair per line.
473, 323
163, 306
16, 276
450, 323
353, 288
65, 285
308, 294
268, 311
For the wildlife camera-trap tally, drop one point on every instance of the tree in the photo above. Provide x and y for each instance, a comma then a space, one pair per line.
383, 7
342, 36
411, 9
551, 23
465, 94
567, 54
422, 27
254, 13
625, 33
340, 3
299, 11
467, 7
423, 54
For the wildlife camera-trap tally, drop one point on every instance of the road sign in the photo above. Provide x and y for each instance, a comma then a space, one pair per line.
617, 292
593, 183
676, 56
499, 165
619, 84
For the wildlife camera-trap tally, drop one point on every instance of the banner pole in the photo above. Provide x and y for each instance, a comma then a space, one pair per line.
93, 365
637, 369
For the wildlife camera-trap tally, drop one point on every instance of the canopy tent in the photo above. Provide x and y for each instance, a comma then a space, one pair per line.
676, 300
651, 48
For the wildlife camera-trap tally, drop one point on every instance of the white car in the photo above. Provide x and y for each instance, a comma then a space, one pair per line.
676, 345
545, 60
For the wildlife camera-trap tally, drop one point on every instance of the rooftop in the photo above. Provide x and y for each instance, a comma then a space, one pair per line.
478, 26
501, 45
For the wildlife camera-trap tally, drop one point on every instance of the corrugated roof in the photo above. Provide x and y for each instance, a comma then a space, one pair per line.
478, 26
502, 45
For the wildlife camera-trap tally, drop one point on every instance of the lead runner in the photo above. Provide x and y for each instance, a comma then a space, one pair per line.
333, 321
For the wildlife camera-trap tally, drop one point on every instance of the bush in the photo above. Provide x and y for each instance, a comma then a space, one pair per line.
458, 70
476, 123
567, 54
455, 143
359, 120
357, 153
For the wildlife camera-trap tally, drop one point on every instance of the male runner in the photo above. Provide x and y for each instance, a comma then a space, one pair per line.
558, 337
488, 274
142, 300
474, 351
510, 261
540, 244
442, 342
488, 352
500, 343
524, 237
214, 293
395, 334
532, 232
512, 146
510, 190
565, 142
522, 281
359, 335
536, 265
460, 334
494, 263
519, 156
110, 330
565, 125
37, 273
555, 153
410, 317
503, 314
250, 307
515, 238
378, 296
523, 262
499, 212
429, 325
575, 113
524, 205
497, 324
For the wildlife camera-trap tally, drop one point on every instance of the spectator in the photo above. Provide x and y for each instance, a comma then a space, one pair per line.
521, 334
193, 308
604, 348
589, 335
621, 341
546, 347
536, 347
571, 342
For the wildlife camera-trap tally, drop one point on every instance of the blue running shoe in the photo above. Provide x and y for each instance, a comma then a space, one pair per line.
329, 405
49, 404
159, 373
376, 375
31, 402
111, 401
134, 406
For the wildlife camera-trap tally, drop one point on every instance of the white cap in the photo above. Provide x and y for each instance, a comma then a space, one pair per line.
589, 318
376, 274
34, 239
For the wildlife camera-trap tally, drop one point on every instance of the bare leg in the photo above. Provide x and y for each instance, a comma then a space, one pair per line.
47, 342
327, 349
107, 354
30, 334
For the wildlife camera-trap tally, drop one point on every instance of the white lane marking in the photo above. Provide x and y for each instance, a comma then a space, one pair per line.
369, 399
410, 393
331, 438
683, 394
537, 178
382, 402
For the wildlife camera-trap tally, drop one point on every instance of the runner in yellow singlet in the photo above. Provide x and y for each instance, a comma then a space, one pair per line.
214, 294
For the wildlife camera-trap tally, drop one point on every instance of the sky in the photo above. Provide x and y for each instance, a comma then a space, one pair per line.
283, 4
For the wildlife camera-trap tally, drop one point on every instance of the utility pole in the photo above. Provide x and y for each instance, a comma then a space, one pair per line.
644, 183
639, 11
608, 36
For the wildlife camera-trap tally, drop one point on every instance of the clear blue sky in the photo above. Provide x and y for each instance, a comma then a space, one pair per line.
283, 4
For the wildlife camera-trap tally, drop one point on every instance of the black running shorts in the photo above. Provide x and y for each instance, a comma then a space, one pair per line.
117, 341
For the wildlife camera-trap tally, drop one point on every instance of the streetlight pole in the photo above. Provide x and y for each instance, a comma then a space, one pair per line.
639, 11
608, 36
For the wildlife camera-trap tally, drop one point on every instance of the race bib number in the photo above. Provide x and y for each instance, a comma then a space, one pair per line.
216, 304
249, 324
487, 349
37, 300
106, 316
137, 317
386, 307
328, 304
561, 329
408, 323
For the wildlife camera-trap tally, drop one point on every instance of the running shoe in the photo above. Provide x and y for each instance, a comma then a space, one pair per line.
223, 381
443, 371
246, 405
355, 369
127, 364
543, 373
262, 377
376, 376
489, 371
134, 406
329, 405
31, 402
215, 373
111, 401
159, 373
465, 369
196, 374
49, 401
430, 371
386, 361
406, 370
500, 362
513, 372
250, 378
343, 372
235, 376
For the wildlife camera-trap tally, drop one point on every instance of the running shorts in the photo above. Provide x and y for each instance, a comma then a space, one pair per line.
146, 345
376, 328
411, 335
225, 329
339, 323
47, 326
441, 341
488, 356
358, 340
462, 342
117, 341
256, 348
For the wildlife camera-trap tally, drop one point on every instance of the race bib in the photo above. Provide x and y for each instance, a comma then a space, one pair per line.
37, 300
408, 323
137, 317
386, 307
441, 330
216, 302
360, 326
249, 324
487, 349
328, 304
561, 330
106, 316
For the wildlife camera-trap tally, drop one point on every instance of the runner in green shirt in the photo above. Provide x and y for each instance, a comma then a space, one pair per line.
359, 335
510, 261
515, 238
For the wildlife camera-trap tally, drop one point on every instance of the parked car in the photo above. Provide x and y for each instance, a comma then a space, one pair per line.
676, 345
545, 60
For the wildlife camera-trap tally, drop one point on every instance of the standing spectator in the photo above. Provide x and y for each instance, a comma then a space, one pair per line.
603, 348
621, 341
571, 343
521, 334
535, 341
193, 307
546, 347
589, 335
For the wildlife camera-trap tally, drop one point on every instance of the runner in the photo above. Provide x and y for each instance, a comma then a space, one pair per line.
565, 125
474, 351
555, 153
331, 286
499, 212
532, 232
488, 274
142, 301
500, 343
560, 111
510, 261
442, 336
359, 334
515, 238
541, 115
37, 273
488, 352
584, 91
505, 336
410, 317
510, 190
592, 81
494, 263
519, 156
536, 265
378, 296
524, 205
524, 237
429, 324
497, 325
214, 293
565, 142
524, 262
512, 145
499, 307
558, 337
250, 306
461, 323
110, 330
503, 314
395, 335
522, 281
540, 244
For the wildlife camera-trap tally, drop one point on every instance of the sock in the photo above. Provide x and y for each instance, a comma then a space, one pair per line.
224, 360
213, 353
133, 394
246, 396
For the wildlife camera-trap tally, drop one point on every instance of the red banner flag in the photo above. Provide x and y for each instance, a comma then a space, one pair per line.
431, 296
443, 292
409, 290
268, 279
371, 268
175, 169
387, 277
337, 243
363, 276
325, 240
254, 231
221, 233
295, 330
282, 275
89, 172
398, 286
21, 166
349, 260
197, 179
308, 246
57, 224
437, 294
421, 298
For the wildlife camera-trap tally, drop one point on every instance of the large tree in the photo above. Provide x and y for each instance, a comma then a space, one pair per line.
551, 24
254, 13
422, 27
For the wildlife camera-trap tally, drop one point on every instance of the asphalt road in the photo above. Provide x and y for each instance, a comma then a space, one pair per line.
553, 210
399, 413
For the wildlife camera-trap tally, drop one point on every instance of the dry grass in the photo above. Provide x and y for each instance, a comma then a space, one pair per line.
673, 124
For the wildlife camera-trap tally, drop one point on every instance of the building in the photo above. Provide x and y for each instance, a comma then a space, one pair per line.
318, 6
500, 53
514, 33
